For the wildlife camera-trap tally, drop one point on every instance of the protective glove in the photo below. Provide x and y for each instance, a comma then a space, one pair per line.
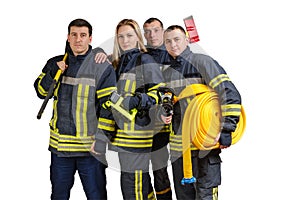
131, 102
225, 138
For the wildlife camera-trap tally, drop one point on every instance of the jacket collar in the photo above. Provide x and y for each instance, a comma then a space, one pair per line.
182, 57
72, 57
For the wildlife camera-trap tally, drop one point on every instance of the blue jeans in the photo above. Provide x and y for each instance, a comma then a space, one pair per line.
91, 173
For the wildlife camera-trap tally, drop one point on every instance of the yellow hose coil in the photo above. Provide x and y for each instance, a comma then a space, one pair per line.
201, 124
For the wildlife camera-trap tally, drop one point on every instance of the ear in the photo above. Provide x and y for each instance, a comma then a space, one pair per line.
91, 39
187, 40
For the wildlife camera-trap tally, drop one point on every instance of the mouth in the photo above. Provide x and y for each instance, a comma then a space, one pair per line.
125, 47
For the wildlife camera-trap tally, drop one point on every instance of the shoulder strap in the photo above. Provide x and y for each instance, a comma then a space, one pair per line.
140, 86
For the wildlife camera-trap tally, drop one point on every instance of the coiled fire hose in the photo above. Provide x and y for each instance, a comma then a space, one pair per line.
201, 124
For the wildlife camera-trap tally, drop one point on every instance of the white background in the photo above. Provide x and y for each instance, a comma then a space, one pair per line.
257, 42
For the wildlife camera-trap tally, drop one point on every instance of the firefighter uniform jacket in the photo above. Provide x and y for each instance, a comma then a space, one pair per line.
162, 135
191, 68
77, 112
132, 77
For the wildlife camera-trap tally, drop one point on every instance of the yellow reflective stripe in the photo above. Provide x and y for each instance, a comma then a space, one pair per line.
53, 143
157, 86
74, 148
133, 87
176, 147
81, 109
176, 143
231, 106
84, 113
70, 138
41, 90
78, 110
231, 110
106, 124
238, 113
70, 143
215, 193
132, 143
218, 79
132, 125
151, 196
129, 86
135, 133
153, 94
161, 128
105, 92
138, 185
138, 142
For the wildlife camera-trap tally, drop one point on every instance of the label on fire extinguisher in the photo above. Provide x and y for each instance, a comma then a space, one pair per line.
191, 29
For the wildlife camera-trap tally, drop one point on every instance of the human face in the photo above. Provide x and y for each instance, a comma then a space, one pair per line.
79, 39
176, 42
127, 38
153, 33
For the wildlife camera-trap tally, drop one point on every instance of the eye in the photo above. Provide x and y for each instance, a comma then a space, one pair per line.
168, 41
156, 30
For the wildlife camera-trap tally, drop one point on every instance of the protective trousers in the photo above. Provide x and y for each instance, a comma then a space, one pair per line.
159, 160
207, 170
135, 178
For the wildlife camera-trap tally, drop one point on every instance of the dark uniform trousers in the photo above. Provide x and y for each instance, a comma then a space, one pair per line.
207, 171
159, 160
135, 178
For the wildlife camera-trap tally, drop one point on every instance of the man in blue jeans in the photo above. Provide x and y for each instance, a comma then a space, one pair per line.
78, 116
90, 170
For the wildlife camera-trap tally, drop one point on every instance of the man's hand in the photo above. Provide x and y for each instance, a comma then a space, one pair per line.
101, 57
92, 149
166, 120
62, 65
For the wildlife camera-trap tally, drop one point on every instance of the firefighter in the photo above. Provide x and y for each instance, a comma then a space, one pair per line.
188, 68
78, 115
138, 77
153, 33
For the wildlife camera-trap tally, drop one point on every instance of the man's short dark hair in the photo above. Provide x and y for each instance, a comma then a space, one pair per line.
152, 19
173, 27
81, 23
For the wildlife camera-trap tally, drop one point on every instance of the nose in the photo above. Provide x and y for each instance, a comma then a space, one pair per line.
172, 43
78, 38
151, 33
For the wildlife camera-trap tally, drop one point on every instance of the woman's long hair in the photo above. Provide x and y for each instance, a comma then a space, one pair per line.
117, 50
